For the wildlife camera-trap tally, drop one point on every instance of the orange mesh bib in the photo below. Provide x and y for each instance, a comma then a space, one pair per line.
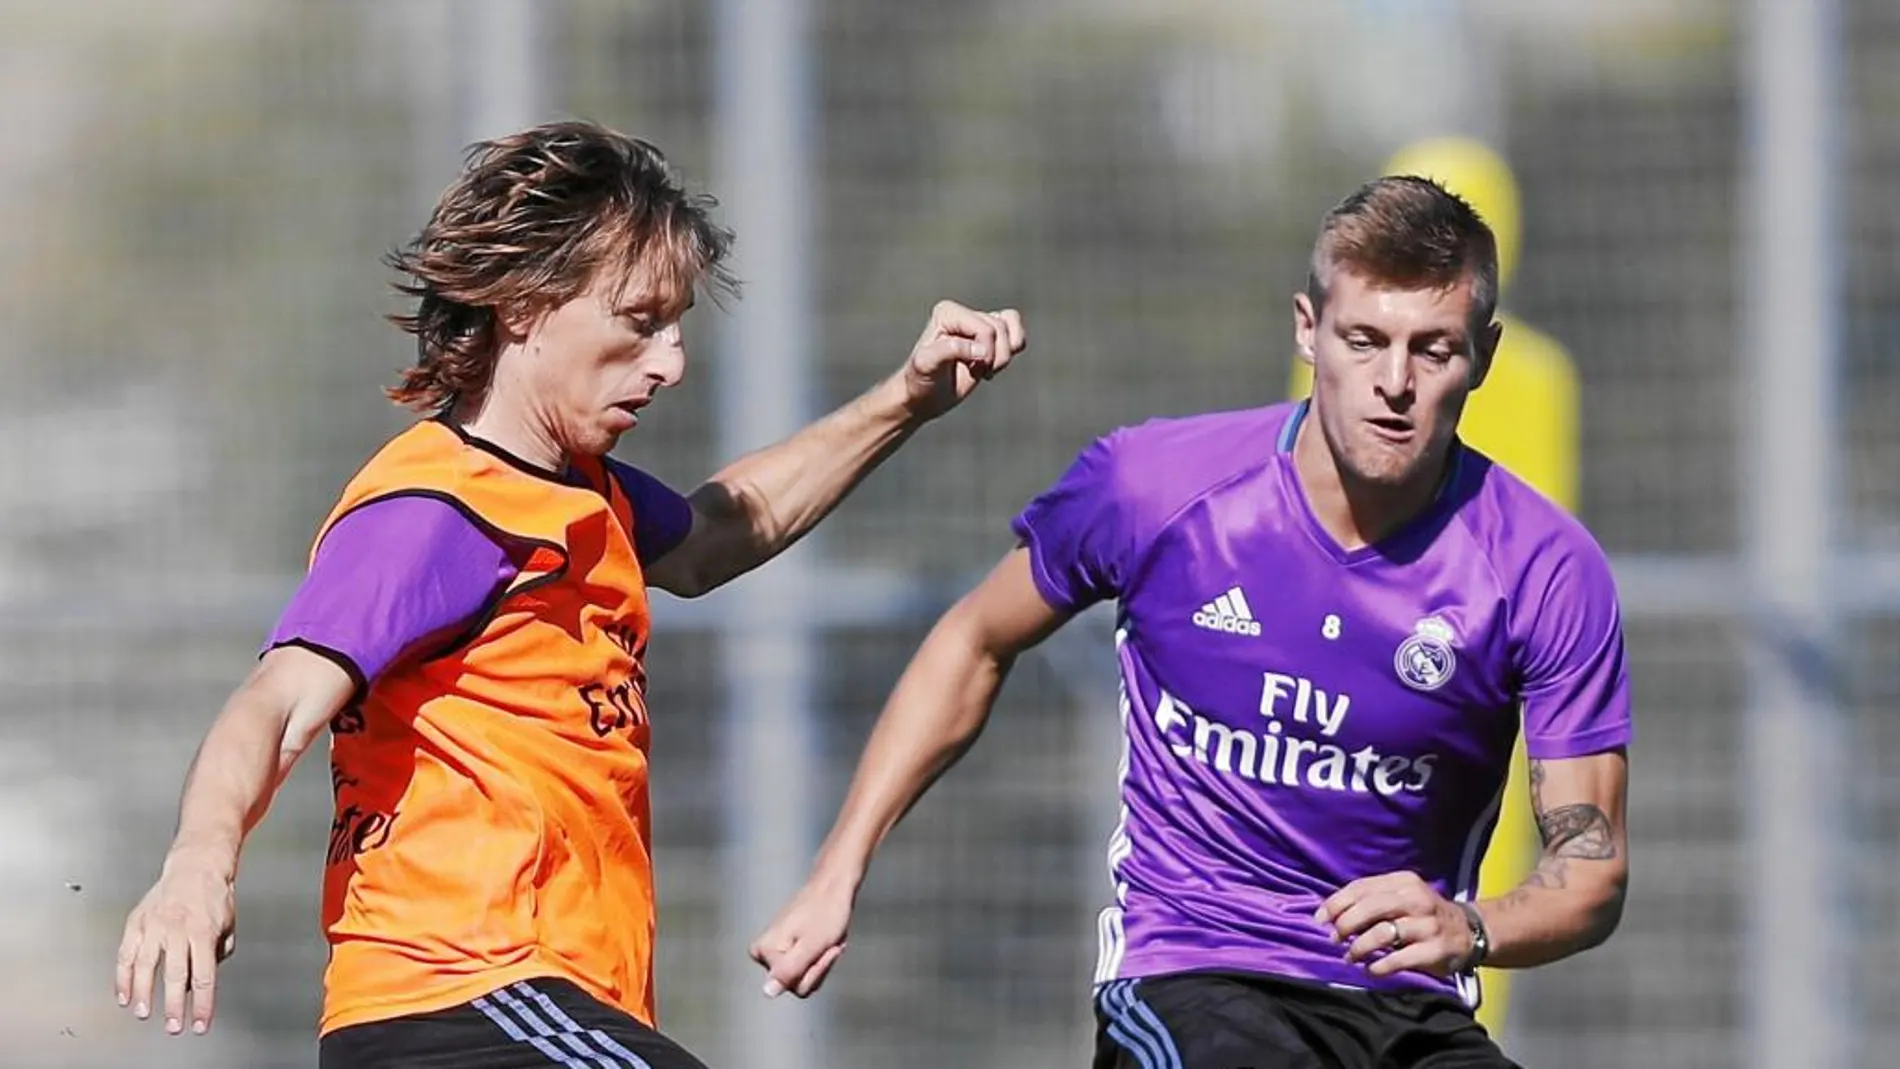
491, 820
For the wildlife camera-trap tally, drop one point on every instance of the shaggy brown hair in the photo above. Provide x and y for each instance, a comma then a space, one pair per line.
1410, 233
529, 224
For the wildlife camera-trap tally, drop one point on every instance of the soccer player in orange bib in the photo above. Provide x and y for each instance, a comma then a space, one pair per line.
473, 624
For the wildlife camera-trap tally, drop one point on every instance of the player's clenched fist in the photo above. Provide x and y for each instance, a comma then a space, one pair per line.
807, 937
959, 348
187, 922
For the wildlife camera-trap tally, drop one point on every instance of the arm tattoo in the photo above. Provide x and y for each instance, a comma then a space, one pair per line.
1551, 874
1577, 831
1581, 830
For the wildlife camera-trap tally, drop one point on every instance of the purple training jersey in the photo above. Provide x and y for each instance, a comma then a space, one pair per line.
1297, 715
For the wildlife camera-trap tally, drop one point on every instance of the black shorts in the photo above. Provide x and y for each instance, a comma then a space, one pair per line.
533, 1024
1234, 1021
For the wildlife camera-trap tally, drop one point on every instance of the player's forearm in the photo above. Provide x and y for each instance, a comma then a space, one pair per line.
232, 779
933, 716
1567, 905
1573, 899
767, 500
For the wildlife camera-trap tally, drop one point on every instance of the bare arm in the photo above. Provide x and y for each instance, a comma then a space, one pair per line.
1573, 899
761, 504
764, 502
937, 709
265, 726
931, 719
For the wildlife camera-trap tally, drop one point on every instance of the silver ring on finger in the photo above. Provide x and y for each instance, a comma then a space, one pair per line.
1398, 935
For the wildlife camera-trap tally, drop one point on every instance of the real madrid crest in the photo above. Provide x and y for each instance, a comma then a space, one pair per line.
1425, 660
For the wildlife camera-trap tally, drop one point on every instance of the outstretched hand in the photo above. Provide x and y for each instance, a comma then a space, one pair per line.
187, 921
960, 348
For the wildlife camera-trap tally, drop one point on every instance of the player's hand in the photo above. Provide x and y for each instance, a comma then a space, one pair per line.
1398, 923
188, 919
802, 943
959, 349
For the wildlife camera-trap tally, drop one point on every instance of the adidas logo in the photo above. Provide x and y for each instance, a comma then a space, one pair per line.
1228, 613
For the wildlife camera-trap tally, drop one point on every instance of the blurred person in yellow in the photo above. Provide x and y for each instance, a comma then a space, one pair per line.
1526, 419
473, 627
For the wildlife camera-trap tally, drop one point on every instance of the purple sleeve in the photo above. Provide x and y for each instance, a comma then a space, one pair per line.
1078, 535
1575, 683
661, 517
389, 576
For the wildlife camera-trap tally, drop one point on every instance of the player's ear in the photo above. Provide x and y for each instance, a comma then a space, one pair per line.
1487, 349
1305, 325
514, 319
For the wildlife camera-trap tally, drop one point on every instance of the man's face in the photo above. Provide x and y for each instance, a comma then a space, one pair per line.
594, 361
1391, 371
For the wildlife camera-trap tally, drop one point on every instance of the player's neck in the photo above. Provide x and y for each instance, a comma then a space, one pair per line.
1354, 512
498, 419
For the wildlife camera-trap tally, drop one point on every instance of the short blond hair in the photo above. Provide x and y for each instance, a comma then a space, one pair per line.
1410, 233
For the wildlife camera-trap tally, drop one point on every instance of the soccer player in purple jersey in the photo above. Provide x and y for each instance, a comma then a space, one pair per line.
1332, 618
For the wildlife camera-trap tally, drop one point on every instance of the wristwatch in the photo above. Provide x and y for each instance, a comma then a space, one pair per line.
1480, 938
